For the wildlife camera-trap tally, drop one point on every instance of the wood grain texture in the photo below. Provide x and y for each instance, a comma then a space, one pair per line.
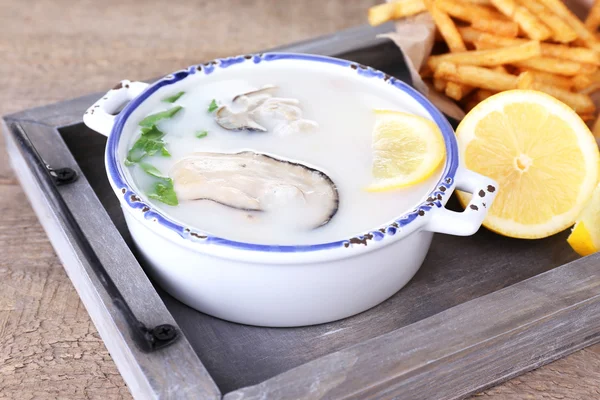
120, 281
54, 50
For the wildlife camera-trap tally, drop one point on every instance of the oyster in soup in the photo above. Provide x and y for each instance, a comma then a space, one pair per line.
279, 154
255, 110
251, 181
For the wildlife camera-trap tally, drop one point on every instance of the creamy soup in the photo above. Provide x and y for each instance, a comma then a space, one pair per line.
286, 162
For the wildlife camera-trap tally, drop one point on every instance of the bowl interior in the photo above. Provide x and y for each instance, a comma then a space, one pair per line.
265, 65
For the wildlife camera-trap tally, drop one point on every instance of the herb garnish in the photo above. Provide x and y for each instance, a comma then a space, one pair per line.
201, 134
213, 106
152, 170
174, 98
152, 119
148, 144
164, 192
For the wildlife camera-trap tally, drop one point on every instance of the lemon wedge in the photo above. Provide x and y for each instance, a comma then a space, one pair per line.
407, 149
542, 155
585, 237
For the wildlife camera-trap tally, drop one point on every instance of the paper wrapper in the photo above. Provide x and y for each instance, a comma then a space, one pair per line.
415, 36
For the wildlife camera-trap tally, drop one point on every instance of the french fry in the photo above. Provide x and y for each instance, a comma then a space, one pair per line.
499, 27
446, 27
439, 84
581, 82
469, 34
500, 68
529, 23
561, 31
556, 66
577, 54
438, 36
596, 128
480, 2
587, 84
579, 102
466, 11
490, 58
594, 87
385, 12
458, 91
557, 7
587, 116
592, 22
482, 94
448, 30
381, 14
525, 80
426, 72
475, 76
595, 76
550, 79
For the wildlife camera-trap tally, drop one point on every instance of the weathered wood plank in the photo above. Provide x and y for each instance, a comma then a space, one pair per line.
145, 372
437, 358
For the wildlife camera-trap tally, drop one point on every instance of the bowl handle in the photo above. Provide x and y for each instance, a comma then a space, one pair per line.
466, 223
102, 114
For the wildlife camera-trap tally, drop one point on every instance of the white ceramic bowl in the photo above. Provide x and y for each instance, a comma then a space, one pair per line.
272, 285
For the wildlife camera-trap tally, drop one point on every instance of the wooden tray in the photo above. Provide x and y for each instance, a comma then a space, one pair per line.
481, 310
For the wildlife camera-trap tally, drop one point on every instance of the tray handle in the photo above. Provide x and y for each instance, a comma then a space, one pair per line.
102, 114
469, 221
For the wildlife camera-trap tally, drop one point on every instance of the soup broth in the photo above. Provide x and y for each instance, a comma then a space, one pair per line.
332, 135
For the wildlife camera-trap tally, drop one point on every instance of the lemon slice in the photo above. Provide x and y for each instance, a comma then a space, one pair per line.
585, 237
542, 155
407, 149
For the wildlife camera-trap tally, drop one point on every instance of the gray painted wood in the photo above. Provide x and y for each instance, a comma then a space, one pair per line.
457, 269
171, 372
481, 310
461, 350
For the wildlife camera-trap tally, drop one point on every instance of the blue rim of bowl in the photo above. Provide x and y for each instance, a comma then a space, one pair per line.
434, 200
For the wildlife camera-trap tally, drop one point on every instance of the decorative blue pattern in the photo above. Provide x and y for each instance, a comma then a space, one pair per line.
133, 200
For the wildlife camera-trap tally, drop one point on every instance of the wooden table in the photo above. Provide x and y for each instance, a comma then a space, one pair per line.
52, 50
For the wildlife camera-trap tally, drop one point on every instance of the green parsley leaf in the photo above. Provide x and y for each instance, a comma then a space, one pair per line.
148, 144
138, 151
201, 134
213, 106
152, 119
164, 192
174, 98
164, 152
152, 170
152, 132
154, 146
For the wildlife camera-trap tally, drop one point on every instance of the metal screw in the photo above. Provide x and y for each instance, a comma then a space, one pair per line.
64, 175
164, 332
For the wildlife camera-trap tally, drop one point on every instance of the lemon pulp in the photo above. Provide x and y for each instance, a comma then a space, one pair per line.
585, 237
407, 149
542, 155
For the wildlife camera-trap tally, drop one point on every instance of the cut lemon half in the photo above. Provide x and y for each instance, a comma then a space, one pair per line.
542, 155
407, 149
585, 237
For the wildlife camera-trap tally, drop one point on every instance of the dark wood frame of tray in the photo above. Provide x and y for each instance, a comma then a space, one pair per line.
449, 355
